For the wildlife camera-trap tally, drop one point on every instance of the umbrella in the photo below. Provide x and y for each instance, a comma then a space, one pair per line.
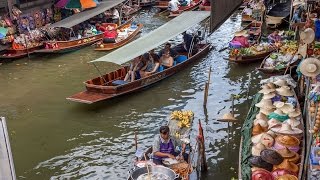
86, 4
80, 4
62, 3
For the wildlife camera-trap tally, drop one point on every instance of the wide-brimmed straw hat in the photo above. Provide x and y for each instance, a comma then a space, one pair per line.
302, 49
310, 67
295, 113
273, 123
268, 95
228, 117
285, 91
285, 107
307, 35
266, 139
281, 82
265, 103
257, 129
286, 129
261, 116
256, 149
271, 85
241, 33
293, 122
259, 174
286, 164
266, 89
290, 155
263, 123
271, 156
288, 141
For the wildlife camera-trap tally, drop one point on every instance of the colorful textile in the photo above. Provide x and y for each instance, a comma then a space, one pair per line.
62, 3
86, 4
73, 4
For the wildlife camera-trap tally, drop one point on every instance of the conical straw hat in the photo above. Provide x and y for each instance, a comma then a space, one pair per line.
228, 117
266, 89
265, 103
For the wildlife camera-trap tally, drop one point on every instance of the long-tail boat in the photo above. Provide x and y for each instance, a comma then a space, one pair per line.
276, 15
161, 4
121, 40
245, 169
70, 45
10, 53
112, 84
194, 4
146, 3
250, 58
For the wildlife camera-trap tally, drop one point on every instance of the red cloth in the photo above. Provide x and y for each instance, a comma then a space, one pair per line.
101, 28
110, 34
242, 40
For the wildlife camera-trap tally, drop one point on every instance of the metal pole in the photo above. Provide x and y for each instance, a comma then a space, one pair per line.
99, 73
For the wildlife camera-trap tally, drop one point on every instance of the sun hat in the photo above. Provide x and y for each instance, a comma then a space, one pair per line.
257, 129
271, 85
271, 133
283, 141
261, 116
287, 108
265, 103
286, 164
281, 82
302, 49
287, 177
280, 172
273, 123
268, 95
228, 117
266, 139
266, 89
284, 91
241, 33
261, 174
295, 113
271, 156
257, 161
293, 122
278, 115
256, 149
266, 111
263, 123
290, 155
310, 67
286, 129
307, 35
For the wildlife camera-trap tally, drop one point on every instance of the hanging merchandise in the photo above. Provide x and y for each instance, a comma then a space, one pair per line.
16, 13
48, 15
37, 15
314, 95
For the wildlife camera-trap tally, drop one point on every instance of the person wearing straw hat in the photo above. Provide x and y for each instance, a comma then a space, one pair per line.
240, 39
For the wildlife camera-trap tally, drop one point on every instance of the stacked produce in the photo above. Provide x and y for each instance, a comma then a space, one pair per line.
289, 47
250, 51
184, 118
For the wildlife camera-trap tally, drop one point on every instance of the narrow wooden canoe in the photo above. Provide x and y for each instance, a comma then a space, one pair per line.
10, 53
71, 45
246, 18
194, 5
120, 42
242, 159
146, 3
273, 71
250, 59
162, 4
97, 89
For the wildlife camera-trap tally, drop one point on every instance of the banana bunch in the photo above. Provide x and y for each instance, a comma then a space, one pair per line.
289, 47
184, 118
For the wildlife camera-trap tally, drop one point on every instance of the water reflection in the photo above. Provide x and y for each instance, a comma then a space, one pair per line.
57, 139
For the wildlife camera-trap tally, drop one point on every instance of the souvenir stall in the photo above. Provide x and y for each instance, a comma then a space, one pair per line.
273, 137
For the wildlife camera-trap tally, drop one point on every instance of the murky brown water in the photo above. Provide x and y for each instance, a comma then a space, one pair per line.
53, 138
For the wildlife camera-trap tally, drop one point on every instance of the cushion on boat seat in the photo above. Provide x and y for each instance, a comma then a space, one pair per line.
161, 68
180, 59
175, 63
119, 82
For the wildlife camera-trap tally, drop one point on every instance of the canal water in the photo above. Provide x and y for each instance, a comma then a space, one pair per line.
53, 138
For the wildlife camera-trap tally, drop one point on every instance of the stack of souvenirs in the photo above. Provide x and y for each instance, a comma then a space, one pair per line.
277, 134
23, 41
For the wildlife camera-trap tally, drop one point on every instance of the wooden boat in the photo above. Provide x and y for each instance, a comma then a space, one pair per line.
254, 30
97, 89
120, 41
273, 71
111, 85
204, 8
244, 147
250, 59
246, 18
193, 5
67, 46
161, 4
10, 53
146, 3
277, 13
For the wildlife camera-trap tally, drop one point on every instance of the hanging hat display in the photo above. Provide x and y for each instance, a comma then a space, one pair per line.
265, 103
287, 177
256, 149
310, 67
271, 156
302, 49
281, 82
285, 91
287, 165
295, 113
271, 86
307, 35
263, 123
286, 129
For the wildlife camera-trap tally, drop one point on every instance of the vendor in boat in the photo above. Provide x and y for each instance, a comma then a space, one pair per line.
166, 60
173, 5
240, 40
274, 37
152, 65
173, 53
110, 35
164, 146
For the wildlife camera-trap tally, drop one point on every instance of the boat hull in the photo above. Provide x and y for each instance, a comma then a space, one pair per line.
249, 59
185, 8
95, 93
111, 46
16, 54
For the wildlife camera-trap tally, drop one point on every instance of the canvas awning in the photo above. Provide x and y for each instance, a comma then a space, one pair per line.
85, 15
155, 38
